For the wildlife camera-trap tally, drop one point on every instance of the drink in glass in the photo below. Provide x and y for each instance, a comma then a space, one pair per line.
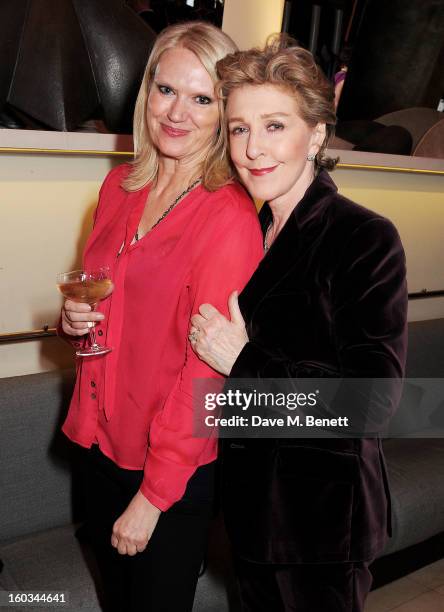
88, 287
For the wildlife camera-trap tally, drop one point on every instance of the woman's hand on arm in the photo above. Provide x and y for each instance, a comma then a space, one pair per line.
216, 339
134, 528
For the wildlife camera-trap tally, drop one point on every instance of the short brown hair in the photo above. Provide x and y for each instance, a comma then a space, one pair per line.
283, 63
209, 44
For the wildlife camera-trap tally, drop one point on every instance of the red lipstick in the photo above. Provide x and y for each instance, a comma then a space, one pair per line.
262, 171
173, 132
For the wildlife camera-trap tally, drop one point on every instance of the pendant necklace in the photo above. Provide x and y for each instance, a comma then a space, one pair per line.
170, 208
266, 245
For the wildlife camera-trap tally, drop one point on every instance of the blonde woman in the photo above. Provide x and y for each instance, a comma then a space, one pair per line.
306, 516
176, 231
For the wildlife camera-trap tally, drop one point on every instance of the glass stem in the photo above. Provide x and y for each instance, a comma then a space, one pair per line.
92, 331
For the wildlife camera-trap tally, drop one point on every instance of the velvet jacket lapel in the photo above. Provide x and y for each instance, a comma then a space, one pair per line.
302, 230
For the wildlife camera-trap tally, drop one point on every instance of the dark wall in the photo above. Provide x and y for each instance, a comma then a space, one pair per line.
398, 59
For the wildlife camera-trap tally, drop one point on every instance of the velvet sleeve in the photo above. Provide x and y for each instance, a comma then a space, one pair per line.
228, 255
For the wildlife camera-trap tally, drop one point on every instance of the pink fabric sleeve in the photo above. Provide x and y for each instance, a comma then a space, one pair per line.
229, 255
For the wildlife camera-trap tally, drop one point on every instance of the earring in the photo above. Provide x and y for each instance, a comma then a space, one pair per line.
311, 157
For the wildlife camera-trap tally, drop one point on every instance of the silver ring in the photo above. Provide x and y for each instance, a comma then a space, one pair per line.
193, 336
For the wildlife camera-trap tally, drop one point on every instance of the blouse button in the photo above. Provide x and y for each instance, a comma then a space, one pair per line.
93, 384
100, 332
93, 396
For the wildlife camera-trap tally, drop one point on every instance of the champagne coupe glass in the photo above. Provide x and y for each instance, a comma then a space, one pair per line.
88, 287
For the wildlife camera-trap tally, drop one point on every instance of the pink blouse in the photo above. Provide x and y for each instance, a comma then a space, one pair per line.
136, 401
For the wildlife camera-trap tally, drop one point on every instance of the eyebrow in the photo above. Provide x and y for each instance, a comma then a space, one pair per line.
162, 83
265, 116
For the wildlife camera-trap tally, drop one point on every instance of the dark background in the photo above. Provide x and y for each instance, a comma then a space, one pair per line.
394, 48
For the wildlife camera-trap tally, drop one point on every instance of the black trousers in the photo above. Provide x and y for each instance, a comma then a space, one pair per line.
163, 577
330, 587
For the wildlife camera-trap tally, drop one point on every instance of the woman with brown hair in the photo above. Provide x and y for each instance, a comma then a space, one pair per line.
175, 230
306, 516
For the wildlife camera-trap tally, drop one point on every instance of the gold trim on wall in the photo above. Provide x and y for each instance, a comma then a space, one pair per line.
64, 151
341, 165
387, 168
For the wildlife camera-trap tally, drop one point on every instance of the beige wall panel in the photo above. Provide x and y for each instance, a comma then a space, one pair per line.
415, 204
46, 205
250, 22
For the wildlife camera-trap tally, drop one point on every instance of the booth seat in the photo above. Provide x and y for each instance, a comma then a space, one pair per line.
42, 506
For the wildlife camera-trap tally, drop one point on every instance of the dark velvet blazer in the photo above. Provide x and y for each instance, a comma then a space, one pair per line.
328, 299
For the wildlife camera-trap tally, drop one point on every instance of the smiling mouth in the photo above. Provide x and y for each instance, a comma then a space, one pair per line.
262, 171
174, 132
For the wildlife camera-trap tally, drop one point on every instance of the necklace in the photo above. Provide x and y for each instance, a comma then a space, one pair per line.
266, 245
170, 208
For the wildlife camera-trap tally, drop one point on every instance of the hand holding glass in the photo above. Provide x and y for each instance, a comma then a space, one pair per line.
87, 287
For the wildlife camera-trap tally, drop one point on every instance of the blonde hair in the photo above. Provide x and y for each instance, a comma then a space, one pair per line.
209, 44
285, 64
